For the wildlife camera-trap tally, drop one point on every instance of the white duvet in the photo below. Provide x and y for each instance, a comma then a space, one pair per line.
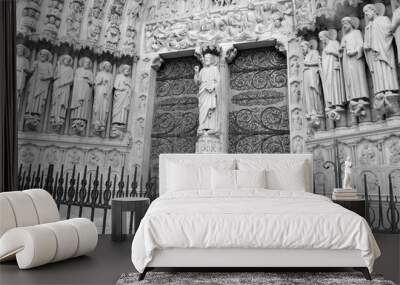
250, 219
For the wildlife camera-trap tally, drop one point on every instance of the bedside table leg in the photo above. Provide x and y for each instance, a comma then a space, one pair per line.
116, 224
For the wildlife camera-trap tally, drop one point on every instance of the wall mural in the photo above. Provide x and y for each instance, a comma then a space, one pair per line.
175, 118
258, 116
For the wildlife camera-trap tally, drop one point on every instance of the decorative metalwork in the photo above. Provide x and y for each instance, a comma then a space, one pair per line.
88, 193
258, 118
175, 109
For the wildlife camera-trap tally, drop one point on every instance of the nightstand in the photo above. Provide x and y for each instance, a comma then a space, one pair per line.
357, 206
137, 205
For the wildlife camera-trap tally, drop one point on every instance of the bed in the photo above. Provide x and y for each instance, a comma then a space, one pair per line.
247, 210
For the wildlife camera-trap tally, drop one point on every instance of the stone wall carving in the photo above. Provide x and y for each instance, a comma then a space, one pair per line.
100, 25
70, 156
218, 23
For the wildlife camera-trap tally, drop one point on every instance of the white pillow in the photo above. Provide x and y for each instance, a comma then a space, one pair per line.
181, 177
223, 179
282, 174
251, 178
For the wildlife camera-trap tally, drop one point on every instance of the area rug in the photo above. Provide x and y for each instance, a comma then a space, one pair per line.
253, 278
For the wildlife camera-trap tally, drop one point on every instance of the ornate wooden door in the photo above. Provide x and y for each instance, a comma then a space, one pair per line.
258, 111
176, 112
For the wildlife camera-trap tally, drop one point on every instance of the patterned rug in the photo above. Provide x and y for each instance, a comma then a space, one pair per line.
253, 278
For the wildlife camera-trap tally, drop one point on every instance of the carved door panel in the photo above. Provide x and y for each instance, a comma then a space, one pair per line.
258, 111
176, 111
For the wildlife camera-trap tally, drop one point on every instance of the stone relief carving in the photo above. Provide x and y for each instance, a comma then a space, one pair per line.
114, 159
142, 103
392, 150
113, 29
51, 155
73, 157
307, 11
367, 154
64, 77
103, 84
81, 94
255, 22
297, 144
297, 119
75, 10
123, 87
140, 127
30, 14
28, 154
133, 12
38, 87
95, 20
295, 92
95, 158
22, 69
138, 149
51, 20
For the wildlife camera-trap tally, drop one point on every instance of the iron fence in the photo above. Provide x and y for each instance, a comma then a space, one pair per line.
94, 190
88, 190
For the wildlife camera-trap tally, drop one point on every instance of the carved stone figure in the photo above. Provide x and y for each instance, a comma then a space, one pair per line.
311, 81
29, 16
95, 20
22, 69
355, 78
103, 85
347, 180
122, 97
379, 49
81, 94
113, 34
331, 71
208, 79
38, 87
64, 77
396, 28
74, 18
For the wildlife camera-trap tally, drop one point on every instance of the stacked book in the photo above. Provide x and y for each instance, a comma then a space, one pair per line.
344, 194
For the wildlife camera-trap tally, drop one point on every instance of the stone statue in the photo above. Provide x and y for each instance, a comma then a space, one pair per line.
102, 93
81, 94
396, 28
22, 70
311, 81
331, 71
38, 87
208, 79
122, 97
355, 78
378, 45
347, 180
61, 91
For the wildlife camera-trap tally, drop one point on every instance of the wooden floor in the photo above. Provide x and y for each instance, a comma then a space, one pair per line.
110, 260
